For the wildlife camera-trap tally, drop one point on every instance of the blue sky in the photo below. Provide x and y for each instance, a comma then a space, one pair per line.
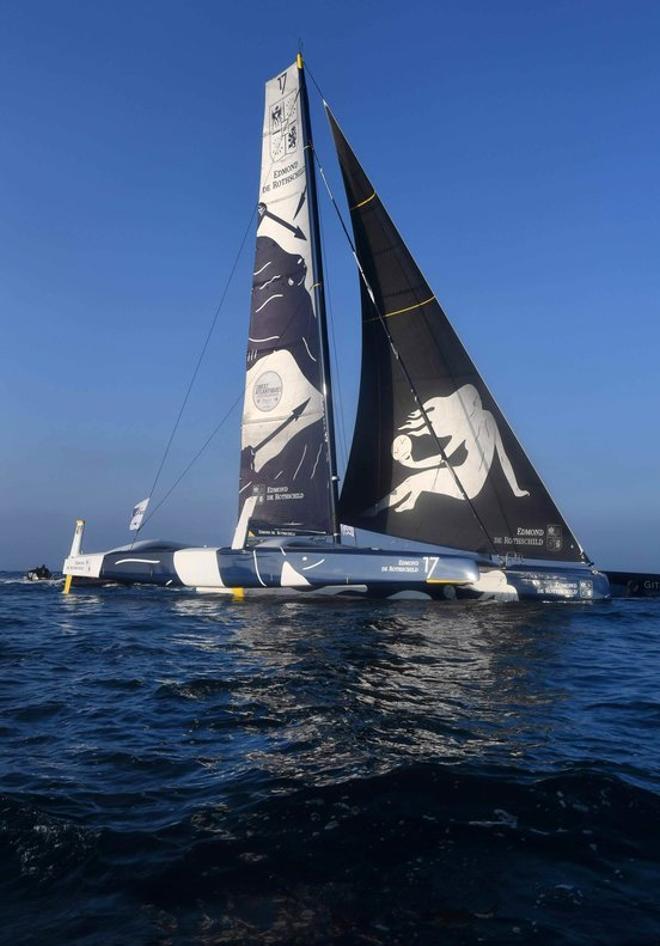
516, 144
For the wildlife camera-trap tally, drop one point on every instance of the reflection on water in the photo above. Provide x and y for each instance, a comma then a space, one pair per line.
329, 689
372, 687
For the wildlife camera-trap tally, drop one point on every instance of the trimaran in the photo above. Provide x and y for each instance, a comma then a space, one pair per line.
433, 459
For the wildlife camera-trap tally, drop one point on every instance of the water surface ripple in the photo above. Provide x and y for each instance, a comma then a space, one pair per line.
182, 769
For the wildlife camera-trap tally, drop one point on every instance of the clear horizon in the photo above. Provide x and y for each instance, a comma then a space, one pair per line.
516, 147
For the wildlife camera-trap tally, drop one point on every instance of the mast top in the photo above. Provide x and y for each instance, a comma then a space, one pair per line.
299, 60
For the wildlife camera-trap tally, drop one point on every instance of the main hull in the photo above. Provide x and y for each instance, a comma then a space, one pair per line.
336, 570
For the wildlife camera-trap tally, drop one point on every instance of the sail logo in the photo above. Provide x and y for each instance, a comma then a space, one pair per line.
267, 391
284, 127
462, 468
265, 434
554, 540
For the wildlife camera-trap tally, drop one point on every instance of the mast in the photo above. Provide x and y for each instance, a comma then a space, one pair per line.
319, 294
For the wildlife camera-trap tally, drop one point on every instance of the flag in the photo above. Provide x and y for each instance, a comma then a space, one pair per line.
348, 531
138, 514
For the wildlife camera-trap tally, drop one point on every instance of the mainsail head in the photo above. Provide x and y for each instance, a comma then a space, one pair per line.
433, 458
285, 450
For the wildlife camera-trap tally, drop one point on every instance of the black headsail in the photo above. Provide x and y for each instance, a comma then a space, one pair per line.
287, 477
433, 458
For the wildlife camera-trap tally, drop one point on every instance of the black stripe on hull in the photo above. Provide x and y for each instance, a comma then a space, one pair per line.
155, 567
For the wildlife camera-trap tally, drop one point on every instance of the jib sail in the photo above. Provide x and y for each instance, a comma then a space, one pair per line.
433, 458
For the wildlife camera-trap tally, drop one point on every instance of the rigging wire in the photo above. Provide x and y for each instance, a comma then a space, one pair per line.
194, 460
198, 364
316, 85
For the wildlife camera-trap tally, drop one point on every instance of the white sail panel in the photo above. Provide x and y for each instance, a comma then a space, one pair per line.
284, 445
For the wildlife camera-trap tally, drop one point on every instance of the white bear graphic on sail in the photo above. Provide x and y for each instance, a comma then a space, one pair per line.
461, 417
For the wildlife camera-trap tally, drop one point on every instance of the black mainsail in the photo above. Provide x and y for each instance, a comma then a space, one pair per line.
287, 477
433, 458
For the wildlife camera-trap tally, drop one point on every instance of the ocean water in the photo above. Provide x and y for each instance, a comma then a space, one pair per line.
180, 769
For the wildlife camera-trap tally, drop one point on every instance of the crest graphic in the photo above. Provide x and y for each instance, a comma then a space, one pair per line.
283, 123
554, 540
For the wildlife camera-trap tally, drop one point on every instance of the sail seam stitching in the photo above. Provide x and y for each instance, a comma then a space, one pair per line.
363, 202
388, 315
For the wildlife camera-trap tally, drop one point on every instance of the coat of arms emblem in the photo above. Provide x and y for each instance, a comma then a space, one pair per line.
284, 127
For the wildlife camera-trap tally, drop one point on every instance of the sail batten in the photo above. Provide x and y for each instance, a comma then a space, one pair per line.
286, 469
433, 458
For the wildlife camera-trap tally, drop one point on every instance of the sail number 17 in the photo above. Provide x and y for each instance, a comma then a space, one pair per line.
430, 562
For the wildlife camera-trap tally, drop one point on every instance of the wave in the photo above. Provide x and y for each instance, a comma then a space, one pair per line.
423, 853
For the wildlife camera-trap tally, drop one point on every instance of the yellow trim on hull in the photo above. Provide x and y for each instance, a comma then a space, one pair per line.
448, 581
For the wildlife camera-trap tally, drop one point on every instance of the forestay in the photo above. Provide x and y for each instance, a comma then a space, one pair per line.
433, 458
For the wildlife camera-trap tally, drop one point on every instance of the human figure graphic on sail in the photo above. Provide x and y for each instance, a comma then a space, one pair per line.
473, 435
283, 431
282, 309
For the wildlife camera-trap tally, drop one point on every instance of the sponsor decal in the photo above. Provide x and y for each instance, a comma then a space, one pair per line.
523, 537
403, 565
554, 540
82, 565
267, 391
